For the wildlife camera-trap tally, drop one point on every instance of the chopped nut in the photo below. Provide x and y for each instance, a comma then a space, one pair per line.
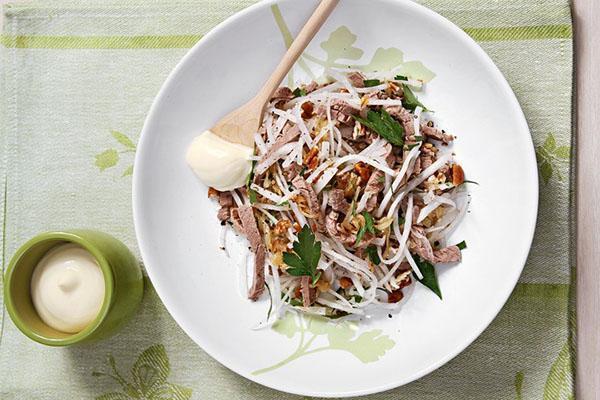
212, 192
311, 158
322, 285
345, 282
458, 175
395, 296
281, 227
363, 171
307, 110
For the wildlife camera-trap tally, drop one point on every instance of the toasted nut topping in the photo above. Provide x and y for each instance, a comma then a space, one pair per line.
458, 175
345, 282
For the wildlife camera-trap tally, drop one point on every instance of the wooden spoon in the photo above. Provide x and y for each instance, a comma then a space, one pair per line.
240, 125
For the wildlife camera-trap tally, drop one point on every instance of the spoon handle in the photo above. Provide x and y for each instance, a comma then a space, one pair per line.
303, 39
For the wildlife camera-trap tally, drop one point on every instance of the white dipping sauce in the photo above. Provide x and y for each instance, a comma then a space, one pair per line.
67, 288
218, 163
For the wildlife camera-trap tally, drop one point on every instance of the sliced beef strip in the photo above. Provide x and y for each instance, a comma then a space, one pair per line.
405, 118
337, 201
249, 225
357, 79
288, 135
417, 167
311, 87
309, 294
432, 132
225, 199
426, 160
421, 244
282, 94
250, 230
375, 184
258, 279
343, 112
331, 225
224, 214
448, 254
236, 221
307, 191
226, 202
292, 172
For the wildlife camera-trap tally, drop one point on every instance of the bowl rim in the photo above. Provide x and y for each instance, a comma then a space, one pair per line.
137, 199
59, 237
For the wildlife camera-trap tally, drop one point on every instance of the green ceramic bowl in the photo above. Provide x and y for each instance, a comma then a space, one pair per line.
122, 276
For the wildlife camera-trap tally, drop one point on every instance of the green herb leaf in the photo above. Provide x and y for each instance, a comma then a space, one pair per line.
371, 82
418, 138
296, 303
462, 245
316, 278
356, 298
382, 123
307, 255
299, 92
369, 226
373, 256
252, 195
401, 78
250, 176
410, 101
429, 276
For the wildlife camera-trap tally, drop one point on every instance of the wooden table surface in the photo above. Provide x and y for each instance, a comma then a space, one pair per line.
587, 103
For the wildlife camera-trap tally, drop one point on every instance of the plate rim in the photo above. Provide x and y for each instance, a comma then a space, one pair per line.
485, 322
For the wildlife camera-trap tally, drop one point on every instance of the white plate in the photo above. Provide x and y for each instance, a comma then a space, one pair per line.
177, 228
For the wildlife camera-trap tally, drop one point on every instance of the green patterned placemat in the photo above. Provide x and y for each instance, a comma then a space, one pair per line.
76, 81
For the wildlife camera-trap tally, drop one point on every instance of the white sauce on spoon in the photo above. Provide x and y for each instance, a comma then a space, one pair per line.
218, 163
67, 288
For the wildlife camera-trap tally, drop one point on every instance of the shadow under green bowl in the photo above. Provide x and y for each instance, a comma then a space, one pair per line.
122, 278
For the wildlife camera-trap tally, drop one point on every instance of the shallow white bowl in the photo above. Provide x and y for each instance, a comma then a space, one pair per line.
177, 228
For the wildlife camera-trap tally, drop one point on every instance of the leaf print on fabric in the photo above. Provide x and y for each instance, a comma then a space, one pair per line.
111, 157
107, 159
149, 378
123, 139
559, 385
519, 378
341, 52
551, 158
368, 347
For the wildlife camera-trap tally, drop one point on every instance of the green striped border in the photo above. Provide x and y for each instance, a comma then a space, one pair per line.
187, 41
521, 33
100, 42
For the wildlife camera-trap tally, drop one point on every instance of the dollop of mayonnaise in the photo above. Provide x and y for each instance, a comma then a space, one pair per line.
218, 163
67, 288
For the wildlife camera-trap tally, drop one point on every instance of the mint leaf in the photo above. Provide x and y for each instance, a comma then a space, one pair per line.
410, 101
252, 195
373, 256
371, 82
367, 227
299, 92
383, 124
429, 276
